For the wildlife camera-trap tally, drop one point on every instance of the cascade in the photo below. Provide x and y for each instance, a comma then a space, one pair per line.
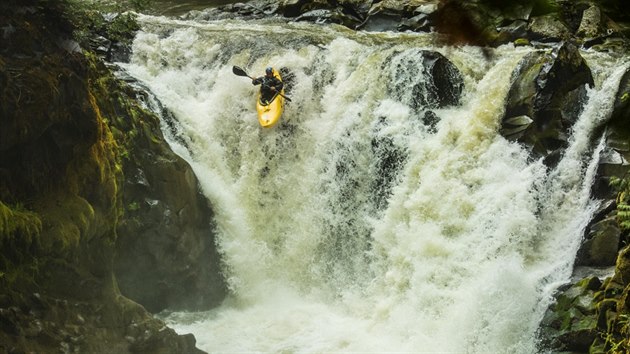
371, 219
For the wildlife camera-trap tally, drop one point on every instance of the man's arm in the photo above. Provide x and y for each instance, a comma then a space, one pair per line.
278, 85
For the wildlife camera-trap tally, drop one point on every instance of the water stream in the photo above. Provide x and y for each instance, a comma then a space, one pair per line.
353, 226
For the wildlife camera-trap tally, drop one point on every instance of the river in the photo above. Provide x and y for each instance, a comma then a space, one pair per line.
352, 226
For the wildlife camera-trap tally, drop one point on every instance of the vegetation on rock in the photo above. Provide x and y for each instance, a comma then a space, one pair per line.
61, 195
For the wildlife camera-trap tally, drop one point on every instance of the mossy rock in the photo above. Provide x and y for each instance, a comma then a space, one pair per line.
61, 199
620, 118
548, 88
570, 324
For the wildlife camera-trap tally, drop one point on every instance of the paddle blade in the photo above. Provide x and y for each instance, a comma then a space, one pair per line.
238, 71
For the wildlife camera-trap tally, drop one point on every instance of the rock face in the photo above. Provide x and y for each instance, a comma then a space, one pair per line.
64, 149
545, 100
602, 325
570, 324
601, 244
165, 251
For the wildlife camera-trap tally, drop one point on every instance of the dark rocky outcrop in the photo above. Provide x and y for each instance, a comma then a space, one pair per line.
545, 100
602, 25
67, 132
400, 16
165, 252
604, 321
614, 159
571, 321
435, 83
621, 111
601, 242
350, 13
611, 303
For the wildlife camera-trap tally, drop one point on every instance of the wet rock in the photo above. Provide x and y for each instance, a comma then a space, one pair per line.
616, 154
119, 52
591, 25
100, 45
601, 244
346, 13
151, 342
511, 32
621, 109
570, 324
349, 13
549, 89
166, 255
380, 23
430, 120
622, 267
446, 83
329, 16
418, 23
599, 32
404, 8
514, 127
389, 162
383, 16
432, 81
548, 28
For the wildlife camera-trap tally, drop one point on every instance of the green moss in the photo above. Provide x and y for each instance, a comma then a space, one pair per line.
521, 42
16, 222
622, 185
20, 231
133, 206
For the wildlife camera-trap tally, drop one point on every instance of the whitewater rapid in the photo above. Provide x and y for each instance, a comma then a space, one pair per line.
457, 250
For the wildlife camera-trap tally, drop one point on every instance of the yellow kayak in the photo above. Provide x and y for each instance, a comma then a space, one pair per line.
269, 113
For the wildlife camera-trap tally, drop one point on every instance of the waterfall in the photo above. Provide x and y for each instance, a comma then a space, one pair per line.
353, 225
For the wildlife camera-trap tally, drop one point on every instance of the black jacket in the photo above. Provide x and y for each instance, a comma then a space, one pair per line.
267, 83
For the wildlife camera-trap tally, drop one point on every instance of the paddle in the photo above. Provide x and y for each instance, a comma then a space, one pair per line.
240, 72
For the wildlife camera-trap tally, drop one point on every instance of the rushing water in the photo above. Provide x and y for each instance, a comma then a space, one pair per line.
352, 226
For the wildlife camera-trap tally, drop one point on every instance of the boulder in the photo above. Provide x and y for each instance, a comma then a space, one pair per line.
599, 32
330, 16
350, 13
592, 24
390, 159
570, 323
166, 255
546, 99
622, 268
511, 32
418, 23
548, 28
429, 80
601, 244
403, 9
463, 22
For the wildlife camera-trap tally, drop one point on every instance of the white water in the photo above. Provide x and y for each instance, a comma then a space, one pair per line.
463, 255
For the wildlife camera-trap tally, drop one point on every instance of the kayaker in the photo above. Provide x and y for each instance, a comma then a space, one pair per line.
270, 85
